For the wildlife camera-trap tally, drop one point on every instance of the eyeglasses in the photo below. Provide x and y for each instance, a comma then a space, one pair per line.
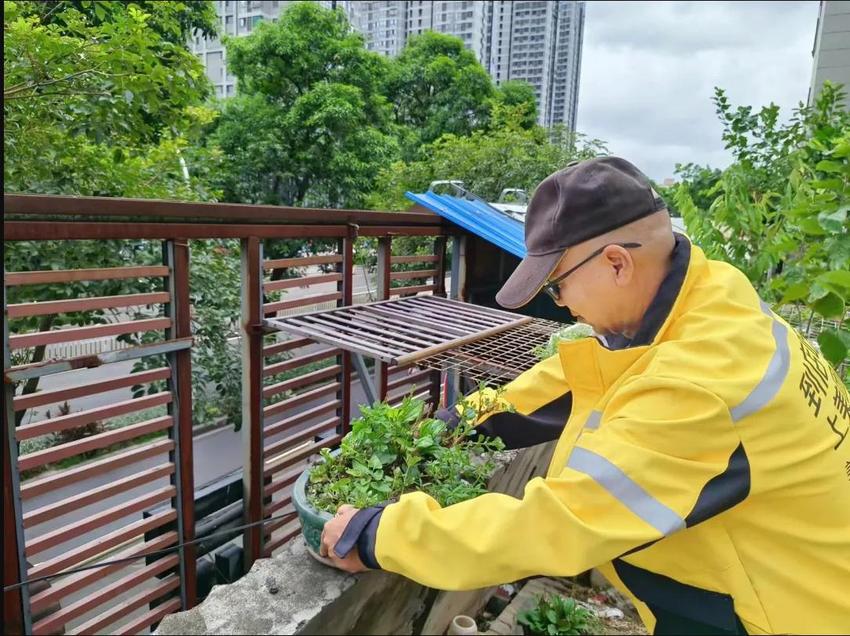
553, 287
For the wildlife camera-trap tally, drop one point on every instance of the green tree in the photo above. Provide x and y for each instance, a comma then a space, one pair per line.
506, 155
437, 87
311, 125
518, 94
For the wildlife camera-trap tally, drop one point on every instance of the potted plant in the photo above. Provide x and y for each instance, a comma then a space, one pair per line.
555, 615
396, 449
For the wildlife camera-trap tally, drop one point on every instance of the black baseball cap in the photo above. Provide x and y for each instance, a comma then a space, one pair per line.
573, 205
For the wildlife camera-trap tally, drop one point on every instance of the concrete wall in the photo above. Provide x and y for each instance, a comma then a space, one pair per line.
294, 594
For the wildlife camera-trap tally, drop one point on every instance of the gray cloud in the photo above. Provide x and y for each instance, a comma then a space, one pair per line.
649, 70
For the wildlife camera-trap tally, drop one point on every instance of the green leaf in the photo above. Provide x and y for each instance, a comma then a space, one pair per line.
425, 442
842, 150
830, 306
829, 166
797, 291
827, 184
834, 345
833, 221
811, 226
838, 277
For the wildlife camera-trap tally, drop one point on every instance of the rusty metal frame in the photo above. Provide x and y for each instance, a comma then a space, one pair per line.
499, 358
153, 209
176, 257
252, 383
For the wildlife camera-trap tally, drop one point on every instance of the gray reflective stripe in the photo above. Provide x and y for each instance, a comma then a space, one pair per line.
593, 420
774, 377
625, 490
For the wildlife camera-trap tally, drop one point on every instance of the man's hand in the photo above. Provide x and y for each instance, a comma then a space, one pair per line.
331, 534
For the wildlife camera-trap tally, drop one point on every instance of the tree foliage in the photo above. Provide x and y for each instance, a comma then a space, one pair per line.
506, 155
101, 98
318, 116
311, 125
437, 87
781, 211
518, 94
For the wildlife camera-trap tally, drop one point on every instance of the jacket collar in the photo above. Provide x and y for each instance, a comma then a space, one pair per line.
591, 367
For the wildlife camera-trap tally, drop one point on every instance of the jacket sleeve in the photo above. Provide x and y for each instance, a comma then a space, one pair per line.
665, 455
533, 409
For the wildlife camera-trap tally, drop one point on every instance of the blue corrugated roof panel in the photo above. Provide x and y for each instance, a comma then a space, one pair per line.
477, 217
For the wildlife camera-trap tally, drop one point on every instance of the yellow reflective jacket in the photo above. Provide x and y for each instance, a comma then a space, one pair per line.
706, 473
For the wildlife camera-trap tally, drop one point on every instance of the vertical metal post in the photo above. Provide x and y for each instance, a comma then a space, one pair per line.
346, 286
440, 276
176, 257
458, 277
436, 377
457, 292
383, 293
252, 379
17, 616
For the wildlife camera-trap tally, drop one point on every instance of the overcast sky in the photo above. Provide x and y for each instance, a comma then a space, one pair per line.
649, 70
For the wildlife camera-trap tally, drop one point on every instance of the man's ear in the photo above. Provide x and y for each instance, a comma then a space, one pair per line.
621, 263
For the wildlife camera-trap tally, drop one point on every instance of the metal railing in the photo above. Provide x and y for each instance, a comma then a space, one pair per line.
297, 399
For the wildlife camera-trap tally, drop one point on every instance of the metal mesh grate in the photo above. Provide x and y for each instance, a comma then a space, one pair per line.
499, 358
403, 330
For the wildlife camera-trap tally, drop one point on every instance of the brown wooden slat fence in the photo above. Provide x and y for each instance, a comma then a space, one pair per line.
296, 399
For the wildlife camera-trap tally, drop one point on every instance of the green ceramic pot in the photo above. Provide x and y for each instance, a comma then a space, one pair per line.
312, 520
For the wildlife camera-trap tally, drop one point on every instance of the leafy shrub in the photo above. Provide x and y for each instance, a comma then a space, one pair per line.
392, 450
781, 211
555, 615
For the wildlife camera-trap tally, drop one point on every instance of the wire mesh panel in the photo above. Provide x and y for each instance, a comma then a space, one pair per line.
94, 445
499, 358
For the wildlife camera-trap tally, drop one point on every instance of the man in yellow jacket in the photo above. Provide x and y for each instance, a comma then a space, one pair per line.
702, 461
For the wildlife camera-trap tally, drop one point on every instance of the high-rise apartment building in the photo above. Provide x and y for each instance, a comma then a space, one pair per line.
539, 42
384, 24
